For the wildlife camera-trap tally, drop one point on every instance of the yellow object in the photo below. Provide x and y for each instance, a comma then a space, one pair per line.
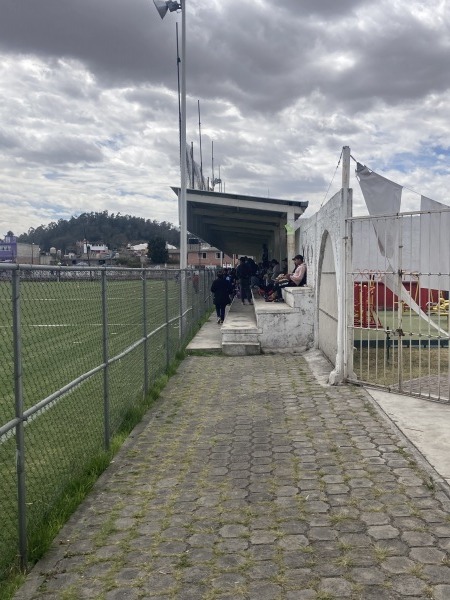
441, 307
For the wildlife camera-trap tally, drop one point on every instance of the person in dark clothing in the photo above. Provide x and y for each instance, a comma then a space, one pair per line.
243, 273
221, 289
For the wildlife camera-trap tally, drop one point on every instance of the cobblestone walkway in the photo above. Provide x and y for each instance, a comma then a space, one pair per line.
249, 480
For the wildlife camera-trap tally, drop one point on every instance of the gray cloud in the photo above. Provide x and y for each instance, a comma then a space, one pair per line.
89, 106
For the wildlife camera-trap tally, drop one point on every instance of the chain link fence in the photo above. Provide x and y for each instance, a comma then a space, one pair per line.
80, 348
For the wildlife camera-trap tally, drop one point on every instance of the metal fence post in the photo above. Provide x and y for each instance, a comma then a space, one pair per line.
166, 281
106, 408
20, 434
144, 324
204, 290
182, 280
400, 311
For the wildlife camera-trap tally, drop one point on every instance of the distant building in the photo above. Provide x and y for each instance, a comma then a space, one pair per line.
13, 251
92, 253
8, 249
201, 255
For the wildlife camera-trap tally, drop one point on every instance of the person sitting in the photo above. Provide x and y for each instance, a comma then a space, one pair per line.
295, 279
273, 274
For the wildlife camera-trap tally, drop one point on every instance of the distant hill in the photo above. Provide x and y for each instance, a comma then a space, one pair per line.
114, 230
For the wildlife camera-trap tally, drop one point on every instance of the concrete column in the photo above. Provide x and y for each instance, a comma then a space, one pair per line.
290, 230
280, 243
341, 369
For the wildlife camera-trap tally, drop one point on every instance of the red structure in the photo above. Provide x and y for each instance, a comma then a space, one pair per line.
365, 313
385, 299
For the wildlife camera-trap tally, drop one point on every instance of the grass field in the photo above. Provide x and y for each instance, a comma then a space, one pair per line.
424, 352
61, 326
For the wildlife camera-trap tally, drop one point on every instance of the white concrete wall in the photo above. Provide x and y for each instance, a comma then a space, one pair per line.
322, 243
288, 325
327, 301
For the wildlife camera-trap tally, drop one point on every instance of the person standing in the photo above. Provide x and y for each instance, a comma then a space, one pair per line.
243, 273
221, 290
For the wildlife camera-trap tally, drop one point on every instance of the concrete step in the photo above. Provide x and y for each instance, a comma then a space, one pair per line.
241, 348
240, 334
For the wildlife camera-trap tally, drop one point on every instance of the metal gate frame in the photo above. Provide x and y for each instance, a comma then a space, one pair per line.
398, 325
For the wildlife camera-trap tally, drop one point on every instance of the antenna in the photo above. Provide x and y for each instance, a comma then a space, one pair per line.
214, 180
212, 163
201, 156
192, 165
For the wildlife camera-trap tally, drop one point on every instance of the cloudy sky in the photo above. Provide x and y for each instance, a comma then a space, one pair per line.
89, 108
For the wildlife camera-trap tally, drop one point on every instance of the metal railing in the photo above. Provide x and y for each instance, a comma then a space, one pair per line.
80, 348
399, 290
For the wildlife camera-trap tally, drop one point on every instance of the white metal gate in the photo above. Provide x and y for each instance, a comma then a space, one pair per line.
398, 285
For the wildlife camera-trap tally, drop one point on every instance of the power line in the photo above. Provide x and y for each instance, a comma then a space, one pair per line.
332, 179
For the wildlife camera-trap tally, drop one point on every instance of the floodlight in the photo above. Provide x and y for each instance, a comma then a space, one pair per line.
162, 6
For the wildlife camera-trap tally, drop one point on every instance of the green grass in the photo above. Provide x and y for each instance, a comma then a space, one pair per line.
61, 338
417, 364
414, 326
420, 357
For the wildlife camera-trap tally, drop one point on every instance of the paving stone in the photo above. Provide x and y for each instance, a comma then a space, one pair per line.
378, 592
263, 537
440, 530
398, 564
293, 527
433, 516
373, 518
196, 575
264, 591
233, 531
232, 545
322, 533
407, 585
441, 592
307, 594
327, 569
444, 543
356, 539
336, 586
122, 594
368, 575
427, 555
383, 532
293, 542
437, 574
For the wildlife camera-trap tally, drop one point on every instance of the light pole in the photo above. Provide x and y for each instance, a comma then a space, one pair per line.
162, 6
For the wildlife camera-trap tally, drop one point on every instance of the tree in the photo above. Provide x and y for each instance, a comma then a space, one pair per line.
115, 230
157, 251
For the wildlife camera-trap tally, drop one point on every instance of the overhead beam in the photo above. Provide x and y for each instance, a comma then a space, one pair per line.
214, 212
239, 224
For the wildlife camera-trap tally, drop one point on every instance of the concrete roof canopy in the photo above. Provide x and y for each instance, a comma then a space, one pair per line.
239, 224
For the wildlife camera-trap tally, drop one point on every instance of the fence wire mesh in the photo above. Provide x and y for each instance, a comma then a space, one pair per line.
80, 348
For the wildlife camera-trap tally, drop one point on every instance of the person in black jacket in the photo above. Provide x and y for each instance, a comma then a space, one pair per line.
221, 289
243, 273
